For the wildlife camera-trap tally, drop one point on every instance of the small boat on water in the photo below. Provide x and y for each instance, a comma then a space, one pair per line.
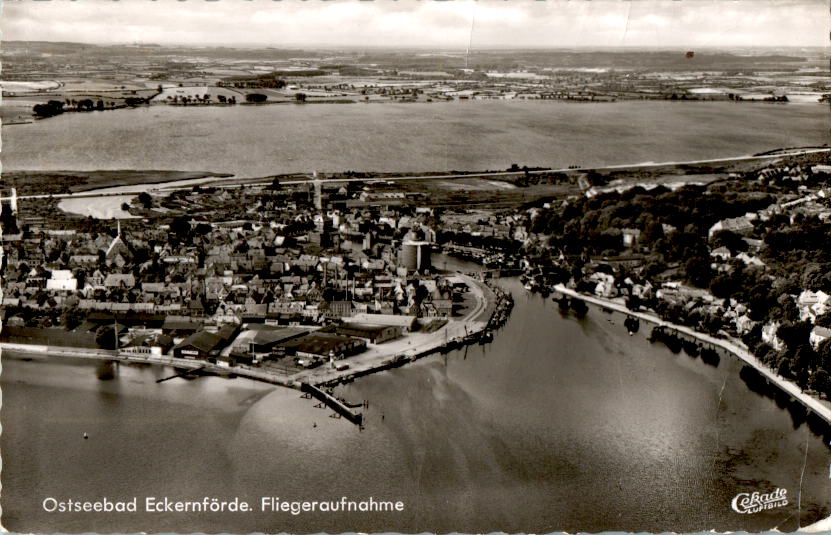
691, 348
656, 335
710, 356
632, 324
579, 307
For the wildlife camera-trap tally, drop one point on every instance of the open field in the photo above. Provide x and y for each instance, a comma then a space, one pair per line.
49, 182
117, 72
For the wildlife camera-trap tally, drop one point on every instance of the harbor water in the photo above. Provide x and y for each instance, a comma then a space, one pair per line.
559, 424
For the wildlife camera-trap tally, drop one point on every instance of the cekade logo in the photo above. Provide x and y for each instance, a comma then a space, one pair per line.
745, 503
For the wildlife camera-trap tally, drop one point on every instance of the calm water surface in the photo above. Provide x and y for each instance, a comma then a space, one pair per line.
560, 424
263, 140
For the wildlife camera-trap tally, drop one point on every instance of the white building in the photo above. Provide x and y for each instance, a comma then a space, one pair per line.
812, 304
62, 279
819, 335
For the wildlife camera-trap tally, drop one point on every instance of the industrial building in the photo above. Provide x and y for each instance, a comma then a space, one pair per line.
324, 346
375, 334
414, 255
406, 323
199, 345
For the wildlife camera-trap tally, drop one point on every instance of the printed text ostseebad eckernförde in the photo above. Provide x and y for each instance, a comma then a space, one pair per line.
152, 504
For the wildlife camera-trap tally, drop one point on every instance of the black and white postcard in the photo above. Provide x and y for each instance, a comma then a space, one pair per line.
415, 266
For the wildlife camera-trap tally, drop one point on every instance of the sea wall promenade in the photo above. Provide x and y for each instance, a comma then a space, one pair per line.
820, 409
29, 350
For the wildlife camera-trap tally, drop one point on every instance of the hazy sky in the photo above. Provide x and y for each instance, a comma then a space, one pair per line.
447, 24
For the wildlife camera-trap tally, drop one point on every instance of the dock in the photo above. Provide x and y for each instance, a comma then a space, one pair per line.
333, 403
183, 373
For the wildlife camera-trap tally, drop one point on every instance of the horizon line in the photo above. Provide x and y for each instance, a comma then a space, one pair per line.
462, 50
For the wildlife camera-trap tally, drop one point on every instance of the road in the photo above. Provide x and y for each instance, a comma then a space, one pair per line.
214, 182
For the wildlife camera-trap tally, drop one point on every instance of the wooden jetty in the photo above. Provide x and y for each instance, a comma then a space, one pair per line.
183, 373
333, 403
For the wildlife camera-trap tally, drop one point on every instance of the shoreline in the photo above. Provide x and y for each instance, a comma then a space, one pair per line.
357, 100
732, 346
226, 180
456, 333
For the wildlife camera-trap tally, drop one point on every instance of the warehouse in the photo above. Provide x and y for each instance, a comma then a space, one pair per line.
265, 339
325, 345
200, 345
406, 323
375, 334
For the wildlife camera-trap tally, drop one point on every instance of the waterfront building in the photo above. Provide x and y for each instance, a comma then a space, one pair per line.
325, 345
199, 345
265, 339
376, 334
406, 323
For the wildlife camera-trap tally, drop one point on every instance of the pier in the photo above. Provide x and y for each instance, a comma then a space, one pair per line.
183, 373
333, 403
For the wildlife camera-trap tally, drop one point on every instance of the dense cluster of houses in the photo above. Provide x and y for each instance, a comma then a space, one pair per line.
166, 289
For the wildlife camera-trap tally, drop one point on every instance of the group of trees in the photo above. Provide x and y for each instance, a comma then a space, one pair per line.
798, 360
143, 198
790, 248
49, 109
794, 251
265, 80
594, 225
199, 99
259, 97
56, 107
